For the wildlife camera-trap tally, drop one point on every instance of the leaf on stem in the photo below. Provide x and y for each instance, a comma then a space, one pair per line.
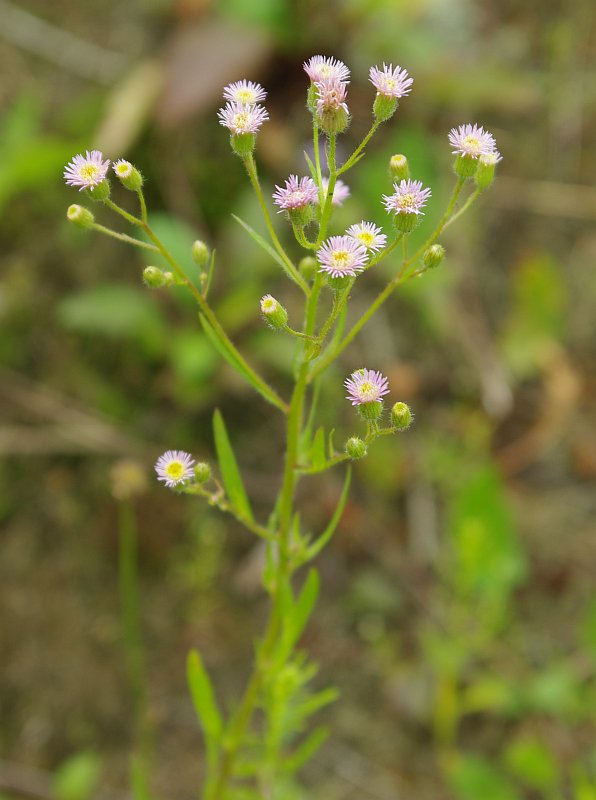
228, 466
266, 247
296, 616
320, 543
203, 697
317, 455
306, 750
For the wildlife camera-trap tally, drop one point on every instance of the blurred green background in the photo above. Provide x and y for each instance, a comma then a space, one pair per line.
459, 611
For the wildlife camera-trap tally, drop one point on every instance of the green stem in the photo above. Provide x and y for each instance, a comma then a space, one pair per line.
143, 204
251, 168
350, 162
328, 205
124, 237
464, 208
317, 157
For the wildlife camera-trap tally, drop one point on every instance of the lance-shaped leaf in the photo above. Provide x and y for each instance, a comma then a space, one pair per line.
318, 458
296, 617
203, 698
234, 360
305, 750
228, 466
266, 247
320, 543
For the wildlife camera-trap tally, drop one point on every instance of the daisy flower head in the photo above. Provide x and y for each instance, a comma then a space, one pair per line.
331, 109
406, 203
472, 141
368, 234
366, 389
296, 194
241, 118
341, 191
247, 92
273, 312
129, 176
391, 82
322, 68
341, 257
86, 171
174, 467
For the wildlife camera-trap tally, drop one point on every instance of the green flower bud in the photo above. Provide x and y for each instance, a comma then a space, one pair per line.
311, 98
399, 168
406, 222
333, 121
99, 192
465, 166
80, 216
338, 284
243, 144
485, 174
384, 107
200, 253
154, 277
308, 267
355, 448
371, 411
202, 472
170, 279
301, 216
401, 416
433, 256
273, 312
129, 176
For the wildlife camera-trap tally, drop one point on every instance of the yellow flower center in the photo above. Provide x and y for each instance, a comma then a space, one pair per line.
407, 201
367, 391
240, 120
366, 238
472, 144
340, 259
89, 173
175, 470
245, 96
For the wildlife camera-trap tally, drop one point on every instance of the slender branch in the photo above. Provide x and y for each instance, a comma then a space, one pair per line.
350, 162
328, 204
143, 205
124, 237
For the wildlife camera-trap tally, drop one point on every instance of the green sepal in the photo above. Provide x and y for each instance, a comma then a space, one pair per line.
228, 466
320, 543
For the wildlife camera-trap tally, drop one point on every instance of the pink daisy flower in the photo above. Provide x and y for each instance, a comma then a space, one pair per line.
174, 467
366, 386
321, 68
242, 118
331, 95
472, 141
368, 234
341, 256
391, 82
86, 171
246, 92
409, 198
296, 194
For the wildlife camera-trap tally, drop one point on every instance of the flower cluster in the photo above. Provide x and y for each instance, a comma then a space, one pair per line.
476, 151
242, 114
327, 94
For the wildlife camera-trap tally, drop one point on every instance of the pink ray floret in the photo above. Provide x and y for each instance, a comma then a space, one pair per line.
409, 198
366, 386
321, 68
86, 171
331, 95
341, 191
297, 193
391, 82
341, 256
247, 92
174, 467
368, 234
242, 118
472, 141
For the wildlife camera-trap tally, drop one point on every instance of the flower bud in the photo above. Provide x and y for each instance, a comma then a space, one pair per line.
355, 448
339, 283
200, 253
433, 256
398, 167
100, 192
406, 222
80, 216
154, 277
333, 121
243, 144
301, 216
308, 267
170, 279
384, 107
401, 416
202, 472
129, 176
371, 411
273, 312
485, 174
465, 166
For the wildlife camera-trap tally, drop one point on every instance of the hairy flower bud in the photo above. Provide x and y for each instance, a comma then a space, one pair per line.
433, 256
200, 253
129, 176
399, 168
100, 192
355, 448
80, 216
401, 416
243, 144
202, 472
154, 277
485, 174
273, 312
384, 107
465, 166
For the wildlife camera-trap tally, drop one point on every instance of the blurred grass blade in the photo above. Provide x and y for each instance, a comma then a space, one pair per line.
266, 247
240, 366
230, 473
320, 543
306, 750
203, 698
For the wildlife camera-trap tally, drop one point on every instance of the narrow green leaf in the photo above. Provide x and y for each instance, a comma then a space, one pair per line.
320, 543
230, 356
317, 455
311, 166
266, 247
210, 273
305, 603
203, 698
230, 473
306, 750
305, 437
317, 701
331, 446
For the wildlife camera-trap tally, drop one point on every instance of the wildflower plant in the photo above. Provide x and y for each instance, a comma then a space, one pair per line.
257, 750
